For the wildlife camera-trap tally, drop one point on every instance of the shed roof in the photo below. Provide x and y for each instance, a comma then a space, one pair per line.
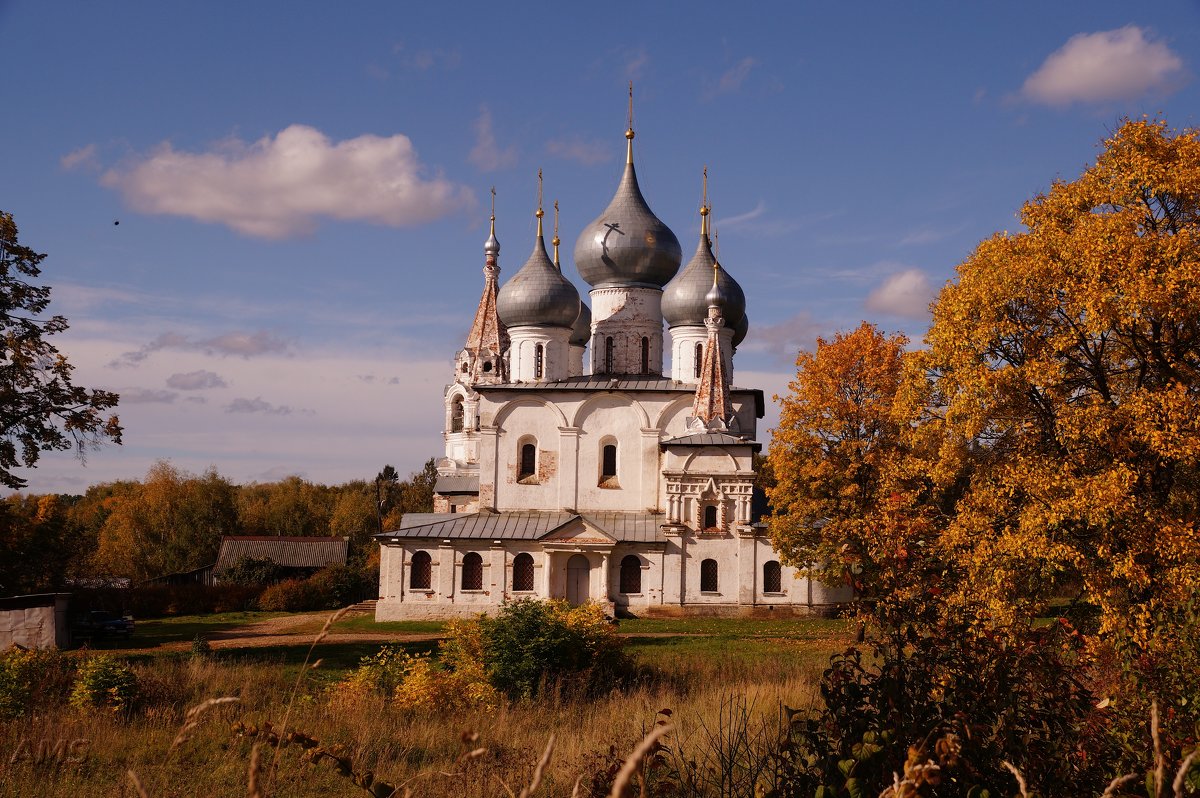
290, 552
712, 439
456, 484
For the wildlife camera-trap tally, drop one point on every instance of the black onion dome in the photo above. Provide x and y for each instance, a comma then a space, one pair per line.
685, 299
627, 244
740, 329
581, 333
538, 295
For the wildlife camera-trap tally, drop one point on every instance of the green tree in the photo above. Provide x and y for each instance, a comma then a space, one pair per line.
40, 408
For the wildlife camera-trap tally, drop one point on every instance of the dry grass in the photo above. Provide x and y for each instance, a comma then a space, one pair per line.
180, 741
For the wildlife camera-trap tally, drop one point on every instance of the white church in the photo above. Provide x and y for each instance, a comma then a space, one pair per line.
576, 465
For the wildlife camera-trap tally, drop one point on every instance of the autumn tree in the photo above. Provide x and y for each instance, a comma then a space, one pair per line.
41, 409
172, 522
1065, 364
838, 502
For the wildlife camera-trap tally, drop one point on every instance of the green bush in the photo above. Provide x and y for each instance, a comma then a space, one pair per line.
330, 588
971, 697
252, 571
294, 595
104, 682
532, 644
31, 680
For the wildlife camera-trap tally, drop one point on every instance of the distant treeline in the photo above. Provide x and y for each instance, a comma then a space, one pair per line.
172, 521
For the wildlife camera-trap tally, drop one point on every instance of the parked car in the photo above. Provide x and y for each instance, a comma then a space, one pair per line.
101, 623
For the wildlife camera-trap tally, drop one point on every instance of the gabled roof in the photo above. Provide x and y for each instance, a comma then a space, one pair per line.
532, 525
290, 552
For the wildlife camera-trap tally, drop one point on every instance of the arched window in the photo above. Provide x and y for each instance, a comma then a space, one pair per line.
421, 574
699, 359
464, 367
456, 414
608, 355
772, 577
487, 366
645, 355
539, 355
708, 576
472, 572
710, 516
608, 465
631, 574
522, 578
528, 461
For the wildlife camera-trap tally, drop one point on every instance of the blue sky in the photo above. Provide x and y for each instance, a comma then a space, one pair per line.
302, 187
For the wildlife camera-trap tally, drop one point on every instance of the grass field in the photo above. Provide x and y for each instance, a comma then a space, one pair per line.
715, 675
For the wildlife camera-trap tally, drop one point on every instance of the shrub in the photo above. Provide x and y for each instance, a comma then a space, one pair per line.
32, 679
252, 571
104, 682
985, 696
415, 682
342, 584
531, 643
295, 595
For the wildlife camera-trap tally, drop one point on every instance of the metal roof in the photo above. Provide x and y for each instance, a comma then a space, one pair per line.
712, 439
290, 552
622, 527
456, 484
617, 382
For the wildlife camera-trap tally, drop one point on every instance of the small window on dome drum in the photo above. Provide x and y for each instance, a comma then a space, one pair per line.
608, 355
539, 353
645, 355
699, 359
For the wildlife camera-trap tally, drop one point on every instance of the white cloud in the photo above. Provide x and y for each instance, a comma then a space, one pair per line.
281, 186
257, 405
196, 380
486, 154
242, 344
138, 396
906, 294
741, 219
784, 339
84, 157
1121, 64
588, 152
732, 79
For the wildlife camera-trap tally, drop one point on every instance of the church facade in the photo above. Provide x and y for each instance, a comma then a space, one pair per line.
576, 466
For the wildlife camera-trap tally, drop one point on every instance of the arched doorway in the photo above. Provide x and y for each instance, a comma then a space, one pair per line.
578, 579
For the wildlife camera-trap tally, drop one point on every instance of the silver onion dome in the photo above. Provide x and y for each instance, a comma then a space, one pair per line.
685, 299
538, 295
740, 330
627, 245
581, 333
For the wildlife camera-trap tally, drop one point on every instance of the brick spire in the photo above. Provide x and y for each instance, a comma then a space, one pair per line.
488, 340
712, 409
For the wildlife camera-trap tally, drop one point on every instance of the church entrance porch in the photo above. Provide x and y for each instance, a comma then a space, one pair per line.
578, 579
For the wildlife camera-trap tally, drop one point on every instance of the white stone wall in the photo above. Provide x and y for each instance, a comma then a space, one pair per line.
522, 354
683, 342
627, 315
571, 428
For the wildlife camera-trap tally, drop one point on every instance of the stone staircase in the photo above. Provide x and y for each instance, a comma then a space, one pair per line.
363, 607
